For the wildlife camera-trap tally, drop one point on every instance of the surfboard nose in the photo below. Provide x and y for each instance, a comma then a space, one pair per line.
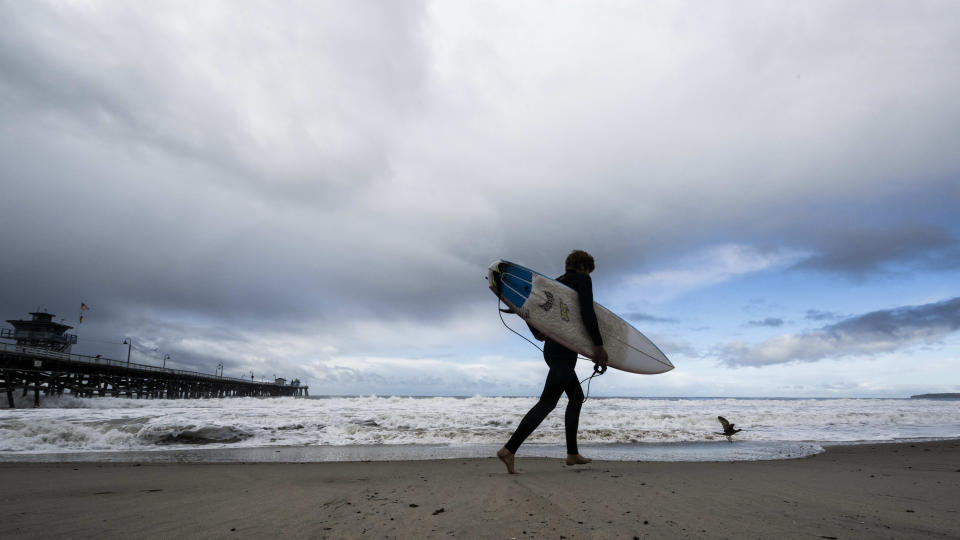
493, 277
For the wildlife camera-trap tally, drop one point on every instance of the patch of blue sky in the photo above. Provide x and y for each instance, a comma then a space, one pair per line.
760, 305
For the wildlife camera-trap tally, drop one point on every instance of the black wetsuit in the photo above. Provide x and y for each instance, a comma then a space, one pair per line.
562, 377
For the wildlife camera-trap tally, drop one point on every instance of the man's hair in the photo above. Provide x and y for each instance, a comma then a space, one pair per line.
579, 260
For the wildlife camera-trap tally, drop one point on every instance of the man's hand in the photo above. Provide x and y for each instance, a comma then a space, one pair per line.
600, 358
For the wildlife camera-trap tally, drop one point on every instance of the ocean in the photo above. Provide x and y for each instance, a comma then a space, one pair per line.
385, 428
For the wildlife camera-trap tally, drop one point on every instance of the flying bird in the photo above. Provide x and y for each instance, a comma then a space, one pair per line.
728, 430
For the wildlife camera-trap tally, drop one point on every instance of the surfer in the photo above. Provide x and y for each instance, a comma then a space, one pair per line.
562, 378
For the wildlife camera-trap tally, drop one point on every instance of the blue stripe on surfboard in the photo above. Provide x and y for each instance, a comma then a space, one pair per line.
521, 272
517, 283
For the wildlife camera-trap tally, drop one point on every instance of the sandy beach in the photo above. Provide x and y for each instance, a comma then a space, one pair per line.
908, 490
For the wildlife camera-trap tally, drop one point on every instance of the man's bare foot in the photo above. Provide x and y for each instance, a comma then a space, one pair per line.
506, 457
577, 459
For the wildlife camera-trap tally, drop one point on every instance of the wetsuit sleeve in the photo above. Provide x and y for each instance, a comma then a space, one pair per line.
584, 287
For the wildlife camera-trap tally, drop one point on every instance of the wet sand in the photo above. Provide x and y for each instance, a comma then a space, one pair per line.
909, 490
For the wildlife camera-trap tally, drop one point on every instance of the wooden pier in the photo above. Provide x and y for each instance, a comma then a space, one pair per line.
42, 371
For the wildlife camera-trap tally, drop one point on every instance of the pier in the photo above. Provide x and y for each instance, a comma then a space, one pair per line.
40, 362
45, 372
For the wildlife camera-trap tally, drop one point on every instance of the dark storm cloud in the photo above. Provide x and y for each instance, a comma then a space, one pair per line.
904, 324
235, 90
195, 163
771, 322
646, 317
876, 332
858, 251
819, 315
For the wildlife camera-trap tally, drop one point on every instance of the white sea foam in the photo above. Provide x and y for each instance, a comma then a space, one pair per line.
70, 424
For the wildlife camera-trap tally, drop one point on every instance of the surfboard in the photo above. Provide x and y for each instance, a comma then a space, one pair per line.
554, 309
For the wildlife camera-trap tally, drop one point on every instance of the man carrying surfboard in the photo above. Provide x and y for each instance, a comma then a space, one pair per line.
562, 378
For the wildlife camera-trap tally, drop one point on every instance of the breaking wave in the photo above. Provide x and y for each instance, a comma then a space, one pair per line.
69, 424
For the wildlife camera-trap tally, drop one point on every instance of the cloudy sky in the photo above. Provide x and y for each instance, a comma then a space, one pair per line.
313, 190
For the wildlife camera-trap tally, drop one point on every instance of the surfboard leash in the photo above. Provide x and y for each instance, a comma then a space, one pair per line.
596, 373
596, 369
501, 312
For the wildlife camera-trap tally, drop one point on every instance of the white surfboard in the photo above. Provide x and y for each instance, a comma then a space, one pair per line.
554, 309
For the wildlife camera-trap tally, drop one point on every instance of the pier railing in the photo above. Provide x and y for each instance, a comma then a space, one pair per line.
101, 361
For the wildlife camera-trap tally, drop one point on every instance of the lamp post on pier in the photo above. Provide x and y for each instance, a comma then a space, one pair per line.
165, 358
129, 343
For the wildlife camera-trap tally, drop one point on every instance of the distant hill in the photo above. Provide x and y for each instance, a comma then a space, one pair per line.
936, 396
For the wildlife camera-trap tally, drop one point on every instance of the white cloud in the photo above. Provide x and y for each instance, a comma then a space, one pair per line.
710, 266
